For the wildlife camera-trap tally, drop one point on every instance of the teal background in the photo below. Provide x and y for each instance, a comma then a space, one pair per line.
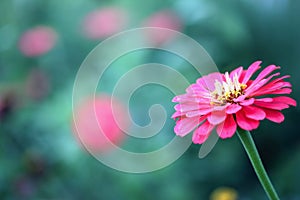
39, 156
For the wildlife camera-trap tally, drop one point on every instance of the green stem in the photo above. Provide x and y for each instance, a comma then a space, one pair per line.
249, 145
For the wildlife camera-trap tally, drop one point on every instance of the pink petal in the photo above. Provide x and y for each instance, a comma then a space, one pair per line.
286, 84
278, 80
286, 100
265, 72
251, 70
209, 80
199, 112
274, 115
260, 81
227, 128
281, 91
197, 89
276, 91
253, 112
186, 107
202, 133
247, 102
219, 108
233, 108
267, 100
177, 114
271, 105
237, 71
216, 117
178, 98
188, 98
256, 86
242, 76
272, 86
277, 85
240, 98
186, 125
244, 122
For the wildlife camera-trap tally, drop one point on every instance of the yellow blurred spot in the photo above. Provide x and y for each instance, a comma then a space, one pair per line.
224, 193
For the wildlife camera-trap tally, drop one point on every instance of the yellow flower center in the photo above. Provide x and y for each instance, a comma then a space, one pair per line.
227, 91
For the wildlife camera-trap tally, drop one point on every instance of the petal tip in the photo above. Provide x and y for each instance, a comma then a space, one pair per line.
175, 99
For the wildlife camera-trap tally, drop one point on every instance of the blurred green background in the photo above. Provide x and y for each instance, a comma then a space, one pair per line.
40, 157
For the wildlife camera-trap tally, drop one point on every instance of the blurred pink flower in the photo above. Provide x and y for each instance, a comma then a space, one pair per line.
37, 41
163, 19
37, 85
96, 126
104, 22
227, 100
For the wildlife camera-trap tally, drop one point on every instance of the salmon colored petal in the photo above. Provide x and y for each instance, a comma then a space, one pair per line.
202, 133
246, 123
233, 108
274, 115
253, 112
227, 128
186, 125
251, 70
216, 117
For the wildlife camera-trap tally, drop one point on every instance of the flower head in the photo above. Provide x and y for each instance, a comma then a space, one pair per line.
37, 41
95, 123
163, 19
233, 99
104, 22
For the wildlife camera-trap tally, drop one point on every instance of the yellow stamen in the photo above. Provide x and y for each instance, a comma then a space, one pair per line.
227, 91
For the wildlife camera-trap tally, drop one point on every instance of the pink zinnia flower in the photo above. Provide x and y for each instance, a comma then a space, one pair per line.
37, 41
104, 22
228, 100
95, 125
163, 19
